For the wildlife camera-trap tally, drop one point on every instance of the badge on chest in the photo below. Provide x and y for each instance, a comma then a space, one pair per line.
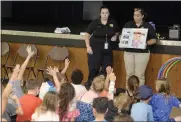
106, 45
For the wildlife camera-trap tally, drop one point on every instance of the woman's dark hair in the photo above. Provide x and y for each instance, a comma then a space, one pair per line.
103, 7
142, 11
66, 94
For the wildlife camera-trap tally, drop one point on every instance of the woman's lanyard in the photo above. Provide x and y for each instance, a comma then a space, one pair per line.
106, 43
106, 34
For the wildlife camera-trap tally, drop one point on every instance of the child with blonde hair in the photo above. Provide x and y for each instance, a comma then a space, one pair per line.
85, 100
47, 110
119, 105
163, 101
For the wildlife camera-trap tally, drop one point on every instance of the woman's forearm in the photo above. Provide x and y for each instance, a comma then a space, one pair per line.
87, 40
151, 42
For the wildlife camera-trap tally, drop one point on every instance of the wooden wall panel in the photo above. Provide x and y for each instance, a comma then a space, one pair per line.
78, 58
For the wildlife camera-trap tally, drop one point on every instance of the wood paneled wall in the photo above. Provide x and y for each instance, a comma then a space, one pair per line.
78, 58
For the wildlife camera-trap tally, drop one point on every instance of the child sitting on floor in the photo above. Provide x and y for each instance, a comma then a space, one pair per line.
163, 101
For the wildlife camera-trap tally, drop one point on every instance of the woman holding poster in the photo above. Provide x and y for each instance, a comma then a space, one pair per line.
136, 59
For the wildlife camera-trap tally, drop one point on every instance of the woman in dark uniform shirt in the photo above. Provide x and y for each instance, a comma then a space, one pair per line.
136, 60
98, 36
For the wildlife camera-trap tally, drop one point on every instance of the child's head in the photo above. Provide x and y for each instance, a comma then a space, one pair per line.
66, 94
50, 102
77, 76
122, 102
61, 77
33, 85
100, 105
145, 92
123, 118
47, 77
163, 86
133, 84
98, 84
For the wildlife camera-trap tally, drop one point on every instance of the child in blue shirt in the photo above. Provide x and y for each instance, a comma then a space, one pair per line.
163, 101
141, 111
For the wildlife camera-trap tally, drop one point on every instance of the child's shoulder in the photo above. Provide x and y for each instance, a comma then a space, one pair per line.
138, 104
156, 96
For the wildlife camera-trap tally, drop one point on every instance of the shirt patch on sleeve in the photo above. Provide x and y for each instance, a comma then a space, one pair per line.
111, 25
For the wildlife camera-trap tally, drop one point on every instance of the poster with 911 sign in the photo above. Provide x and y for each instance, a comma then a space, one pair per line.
133, 38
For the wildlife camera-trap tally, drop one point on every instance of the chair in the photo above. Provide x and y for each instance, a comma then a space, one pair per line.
55, 54
5, 50
23, 53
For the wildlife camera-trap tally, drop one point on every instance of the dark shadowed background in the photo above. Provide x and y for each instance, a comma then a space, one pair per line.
45, 16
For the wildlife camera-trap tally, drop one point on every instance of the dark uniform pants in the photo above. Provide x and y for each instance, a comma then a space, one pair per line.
100, 58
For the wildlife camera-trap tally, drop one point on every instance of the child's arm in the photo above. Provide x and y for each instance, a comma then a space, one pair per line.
8, 89
53, 72
108, 70
25, 63
67, 62
112, 78
175, 102
19, 110
150, 114
17, 85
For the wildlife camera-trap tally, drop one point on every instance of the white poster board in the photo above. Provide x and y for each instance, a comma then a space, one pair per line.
133, 38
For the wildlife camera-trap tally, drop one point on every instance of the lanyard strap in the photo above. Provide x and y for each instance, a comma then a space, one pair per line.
106, 33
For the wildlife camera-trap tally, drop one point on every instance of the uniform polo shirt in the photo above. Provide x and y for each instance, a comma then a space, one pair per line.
98, 32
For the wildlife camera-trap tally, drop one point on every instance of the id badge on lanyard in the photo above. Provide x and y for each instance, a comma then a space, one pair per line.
106, 45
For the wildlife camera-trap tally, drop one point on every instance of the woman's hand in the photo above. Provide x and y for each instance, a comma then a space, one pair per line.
114, 38
89, 50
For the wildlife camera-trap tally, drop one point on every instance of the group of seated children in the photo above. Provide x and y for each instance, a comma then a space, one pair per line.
58, 99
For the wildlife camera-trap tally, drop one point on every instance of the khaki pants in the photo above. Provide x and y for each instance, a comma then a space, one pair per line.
135, 64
